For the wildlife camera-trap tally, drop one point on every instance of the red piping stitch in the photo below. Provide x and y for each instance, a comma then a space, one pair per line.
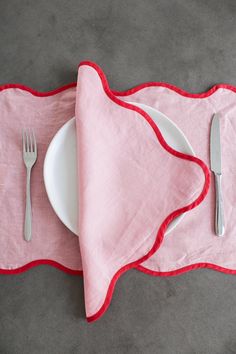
41, 262
185, 269
35, 92
128, 92
176, 89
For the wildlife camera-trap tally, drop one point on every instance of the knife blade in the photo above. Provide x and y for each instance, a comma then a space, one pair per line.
216, 168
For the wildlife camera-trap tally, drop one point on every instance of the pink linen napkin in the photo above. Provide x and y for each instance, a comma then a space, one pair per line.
131, 186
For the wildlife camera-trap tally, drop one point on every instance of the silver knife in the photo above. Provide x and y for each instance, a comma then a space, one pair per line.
215, 157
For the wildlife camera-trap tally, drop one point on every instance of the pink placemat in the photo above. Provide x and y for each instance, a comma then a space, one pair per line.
194, 244
52, 243
191, 245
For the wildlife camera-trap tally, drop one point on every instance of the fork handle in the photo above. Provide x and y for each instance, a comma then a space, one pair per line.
28, 213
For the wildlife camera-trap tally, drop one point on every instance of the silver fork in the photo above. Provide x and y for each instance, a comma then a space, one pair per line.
29, 157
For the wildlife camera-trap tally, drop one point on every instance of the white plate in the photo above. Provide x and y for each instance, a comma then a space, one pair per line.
60, 166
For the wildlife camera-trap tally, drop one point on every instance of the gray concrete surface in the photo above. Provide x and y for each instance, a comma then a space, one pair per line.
189, 43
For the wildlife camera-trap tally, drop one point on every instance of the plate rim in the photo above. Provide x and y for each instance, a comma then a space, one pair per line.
47, 156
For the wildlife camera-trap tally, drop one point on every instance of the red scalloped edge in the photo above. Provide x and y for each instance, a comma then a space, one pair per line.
185, 270
176, 89
38, 263
128, 92
35, 92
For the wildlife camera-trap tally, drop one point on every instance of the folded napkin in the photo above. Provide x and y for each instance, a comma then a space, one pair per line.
131, 186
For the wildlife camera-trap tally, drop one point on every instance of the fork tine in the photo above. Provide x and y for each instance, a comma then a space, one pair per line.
23, 140
35, 144
31, 139
27, 140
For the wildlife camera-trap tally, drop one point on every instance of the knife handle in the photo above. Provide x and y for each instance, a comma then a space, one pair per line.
219, 211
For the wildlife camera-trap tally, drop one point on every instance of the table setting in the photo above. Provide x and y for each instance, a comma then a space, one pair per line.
96, 182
